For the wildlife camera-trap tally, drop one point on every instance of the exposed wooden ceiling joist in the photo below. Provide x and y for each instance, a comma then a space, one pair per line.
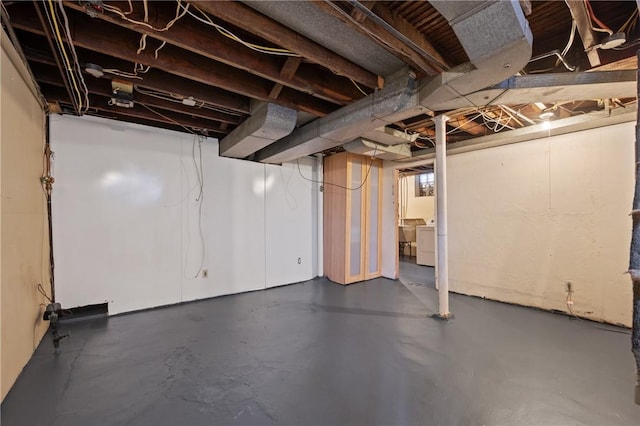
580, 14
102, 87
101, 103
154, 79
408, 30
56, 56
104, 38
288, 70
199, 64
466, 124
264, 27
195, 37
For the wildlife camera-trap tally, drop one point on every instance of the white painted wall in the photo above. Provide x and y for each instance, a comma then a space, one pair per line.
525, 218
412, 207
291, 219
126, 219
418, 207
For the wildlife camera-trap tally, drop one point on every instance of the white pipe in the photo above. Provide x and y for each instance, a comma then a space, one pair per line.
320, 215
442, 265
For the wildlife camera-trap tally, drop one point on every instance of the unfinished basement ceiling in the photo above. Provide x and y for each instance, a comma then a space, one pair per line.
206, 67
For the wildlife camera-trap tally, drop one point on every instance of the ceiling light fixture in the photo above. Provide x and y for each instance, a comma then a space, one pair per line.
612, 41
546, 115
94, 70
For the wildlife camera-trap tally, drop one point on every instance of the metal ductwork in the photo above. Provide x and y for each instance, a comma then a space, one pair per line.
497, 39
363, 146
268, 123
389, 136
548, 88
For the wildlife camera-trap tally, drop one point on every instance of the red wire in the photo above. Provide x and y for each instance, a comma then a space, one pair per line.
595, 18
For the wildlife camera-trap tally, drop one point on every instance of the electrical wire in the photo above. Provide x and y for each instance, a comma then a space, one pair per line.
200, 197
463, 124
61, 52
288, 195
629, 21
168, 118
130, 8
178, 16
42, 292
498, 125
572, 112
258, 48
570, 41
145, 5
628, 44
155, 53
139, 68
121, 73
358, 87
178, 99
73, 53
323, 183
569, 302
53, 23
419, 145
592, 17
142, 45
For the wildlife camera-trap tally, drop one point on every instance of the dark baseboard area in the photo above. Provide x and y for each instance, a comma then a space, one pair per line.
99, 310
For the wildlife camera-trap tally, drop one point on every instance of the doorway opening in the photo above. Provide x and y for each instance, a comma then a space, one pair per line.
415, 219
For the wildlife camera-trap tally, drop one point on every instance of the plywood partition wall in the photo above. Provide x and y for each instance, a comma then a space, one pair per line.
335, 223
352, 217
24, 248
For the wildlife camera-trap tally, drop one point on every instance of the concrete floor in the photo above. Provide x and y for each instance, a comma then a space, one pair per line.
319, 353
416, 275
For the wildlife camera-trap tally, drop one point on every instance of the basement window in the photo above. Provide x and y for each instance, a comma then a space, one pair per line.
425, 185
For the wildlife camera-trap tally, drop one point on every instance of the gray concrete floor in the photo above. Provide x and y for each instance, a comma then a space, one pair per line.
416, 275
319, 353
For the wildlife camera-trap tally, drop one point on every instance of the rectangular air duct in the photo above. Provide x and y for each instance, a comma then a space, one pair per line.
365, 147
389, 136
268, 123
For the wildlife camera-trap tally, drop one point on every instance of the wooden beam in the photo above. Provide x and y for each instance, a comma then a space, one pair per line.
58, 61
247, 18
630, 63
206, 41
465, 124
402, 25
288, 70
290, 67
275, 91
107, 39
526, 7
580, 14
358, 15
154, 79
101, 103
102, 87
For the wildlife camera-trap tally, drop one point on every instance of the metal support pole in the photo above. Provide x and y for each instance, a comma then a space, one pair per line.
442, 261
320, 213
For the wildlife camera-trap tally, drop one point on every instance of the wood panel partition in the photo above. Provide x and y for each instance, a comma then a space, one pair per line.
352, 217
